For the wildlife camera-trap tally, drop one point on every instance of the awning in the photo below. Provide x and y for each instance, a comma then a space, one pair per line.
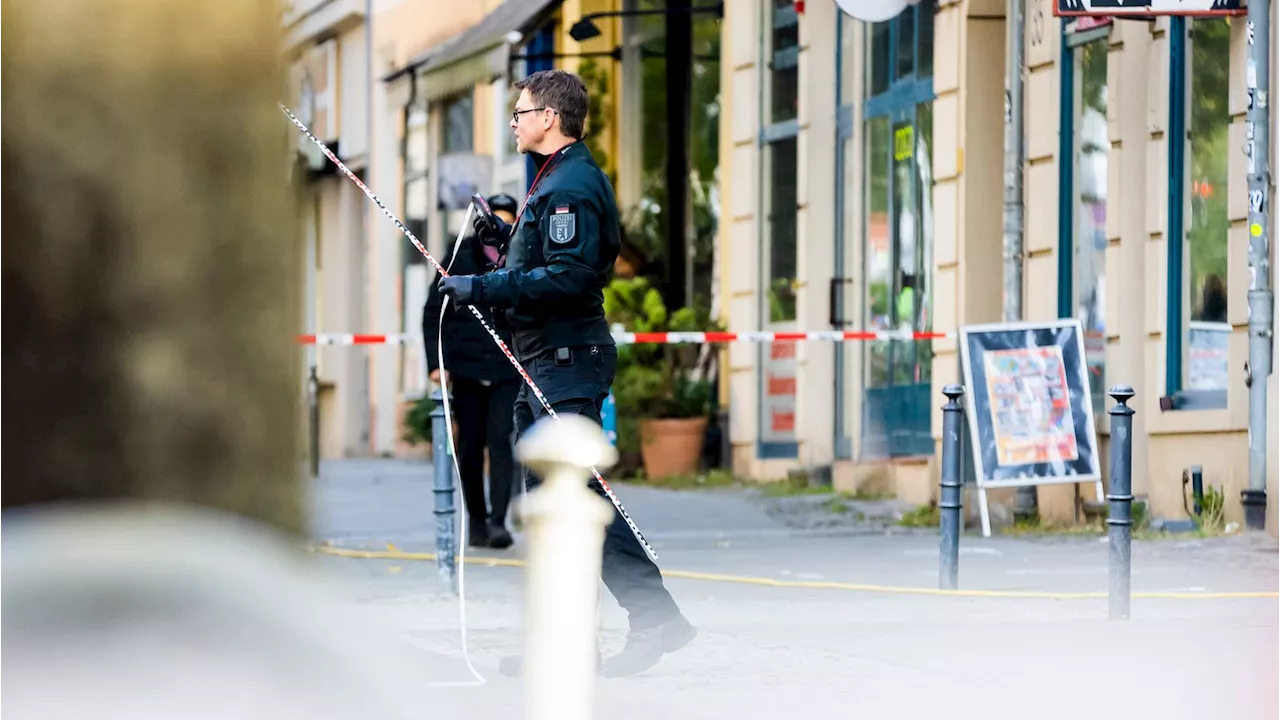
478, 54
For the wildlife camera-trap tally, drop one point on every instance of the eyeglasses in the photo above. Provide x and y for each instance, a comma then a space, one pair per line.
515, 114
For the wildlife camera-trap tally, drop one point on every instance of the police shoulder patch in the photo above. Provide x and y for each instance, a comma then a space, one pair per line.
562, 226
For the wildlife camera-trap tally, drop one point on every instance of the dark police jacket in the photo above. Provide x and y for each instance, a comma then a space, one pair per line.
469, 352
560, 259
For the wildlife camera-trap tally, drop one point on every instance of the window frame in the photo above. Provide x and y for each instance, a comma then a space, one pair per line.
770, 135
1071, 40
1175, 331
451, 220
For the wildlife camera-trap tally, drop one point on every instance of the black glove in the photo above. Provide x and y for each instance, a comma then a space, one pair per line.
462, 289
491, 230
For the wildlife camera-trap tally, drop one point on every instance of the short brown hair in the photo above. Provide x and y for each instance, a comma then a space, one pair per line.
563, 91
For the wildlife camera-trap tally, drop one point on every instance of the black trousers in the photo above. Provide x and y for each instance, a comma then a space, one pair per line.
581, 387
483, 416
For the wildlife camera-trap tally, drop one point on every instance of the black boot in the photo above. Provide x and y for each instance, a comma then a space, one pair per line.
479, 534
646, 647
499, 538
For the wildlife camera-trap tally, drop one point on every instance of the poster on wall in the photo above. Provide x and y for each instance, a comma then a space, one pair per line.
779, 407
1068, 8
1208, 355
1029, 406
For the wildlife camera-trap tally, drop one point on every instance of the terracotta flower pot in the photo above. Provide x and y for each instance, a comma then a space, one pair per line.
671, 446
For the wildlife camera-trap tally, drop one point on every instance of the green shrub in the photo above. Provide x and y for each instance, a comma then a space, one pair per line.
655, 380
417, 421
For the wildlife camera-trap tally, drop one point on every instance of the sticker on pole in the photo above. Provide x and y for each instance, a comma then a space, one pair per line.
1149, 8
1030, 408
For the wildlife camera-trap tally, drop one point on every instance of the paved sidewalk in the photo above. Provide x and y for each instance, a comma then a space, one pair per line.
766, 651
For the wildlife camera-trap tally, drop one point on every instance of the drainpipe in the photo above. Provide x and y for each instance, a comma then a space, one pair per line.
1261, 299
1024, 505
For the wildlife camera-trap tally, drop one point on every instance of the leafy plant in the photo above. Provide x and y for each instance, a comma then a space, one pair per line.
1212, 518
417, 421
923, 516
656, 380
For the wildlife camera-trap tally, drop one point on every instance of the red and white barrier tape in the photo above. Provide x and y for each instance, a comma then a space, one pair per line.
673, 338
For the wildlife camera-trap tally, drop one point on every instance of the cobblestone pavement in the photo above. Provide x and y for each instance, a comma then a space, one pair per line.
765, 651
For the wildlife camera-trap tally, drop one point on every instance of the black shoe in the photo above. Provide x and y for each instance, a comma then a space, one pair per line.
499, 538
479, 534
646, 647
513, 665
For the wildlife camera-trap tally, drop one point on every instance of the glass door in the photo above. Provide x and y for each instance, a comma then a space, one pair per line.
885, 248
898, 267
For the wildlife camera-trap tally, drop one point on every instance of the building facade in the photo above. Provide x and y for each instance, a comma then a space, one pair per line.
863, 189
355, 256
417, 104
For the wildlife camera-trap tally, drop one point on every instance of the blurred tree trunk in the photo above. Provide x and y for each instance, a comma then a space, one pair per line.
150, 269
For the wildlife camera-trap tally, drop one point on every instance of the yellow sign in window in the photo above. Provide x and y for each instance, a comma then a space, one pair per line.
903, 141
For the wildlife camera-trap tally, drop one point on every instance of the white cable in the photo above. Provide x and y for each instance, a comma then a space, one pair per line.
463, 536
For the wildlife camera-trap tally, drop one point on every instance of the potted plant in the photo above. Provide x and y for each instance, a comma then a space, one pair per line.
662, 391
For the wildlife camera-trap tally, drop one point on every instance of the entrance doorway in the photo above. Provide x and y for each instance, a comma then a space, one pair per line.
896, 191
898, 264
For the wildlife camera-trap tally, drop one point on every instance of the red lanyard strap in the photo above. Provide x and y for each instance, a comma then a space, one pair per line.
545, 169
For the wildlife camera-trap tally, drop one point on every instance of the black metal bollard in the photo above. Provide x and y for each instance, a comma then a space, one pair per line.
313, 401
949, 504
446, 533
1120, 521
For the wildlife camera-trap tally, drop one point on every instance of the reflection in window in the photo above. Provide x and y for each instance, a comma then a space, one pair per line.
784, 63
1089, 261
782, 230
1205, 253
879, 254
905, 61
877, 52
925, 68
459, 124
923, 318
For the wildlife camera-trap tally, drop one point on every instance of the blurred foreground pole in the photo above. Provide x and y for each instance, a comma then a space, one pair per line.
1120, 522
443, 492
152, 253
952, 426
152, 496
566, 522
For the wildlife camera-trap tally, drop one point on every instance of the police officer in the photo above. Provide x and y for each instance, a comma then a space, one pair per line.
559, 260
484, 387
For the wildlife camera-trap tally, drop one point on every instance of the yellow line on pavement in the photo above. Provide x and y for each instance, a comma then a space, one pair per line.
392, 553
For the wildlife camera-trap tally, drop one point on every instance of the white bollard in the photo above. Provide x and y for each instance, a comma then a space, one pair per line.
566, 522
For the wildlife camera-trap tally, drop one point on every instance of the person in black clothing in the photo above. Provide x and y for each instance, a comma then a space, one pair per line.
484, 386
559, 259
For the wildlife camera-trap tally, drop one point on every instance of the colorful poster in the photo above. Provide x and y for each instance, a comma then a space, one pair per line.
779, 396
1030, 400
1029, 403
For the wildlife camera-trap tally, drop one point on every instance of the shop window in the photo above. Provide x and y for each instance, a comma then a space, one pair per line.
1083, 215
784, 62
897, 234
781, 184
416, 200
1197, 330
778, 138
457, 137
459, 124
